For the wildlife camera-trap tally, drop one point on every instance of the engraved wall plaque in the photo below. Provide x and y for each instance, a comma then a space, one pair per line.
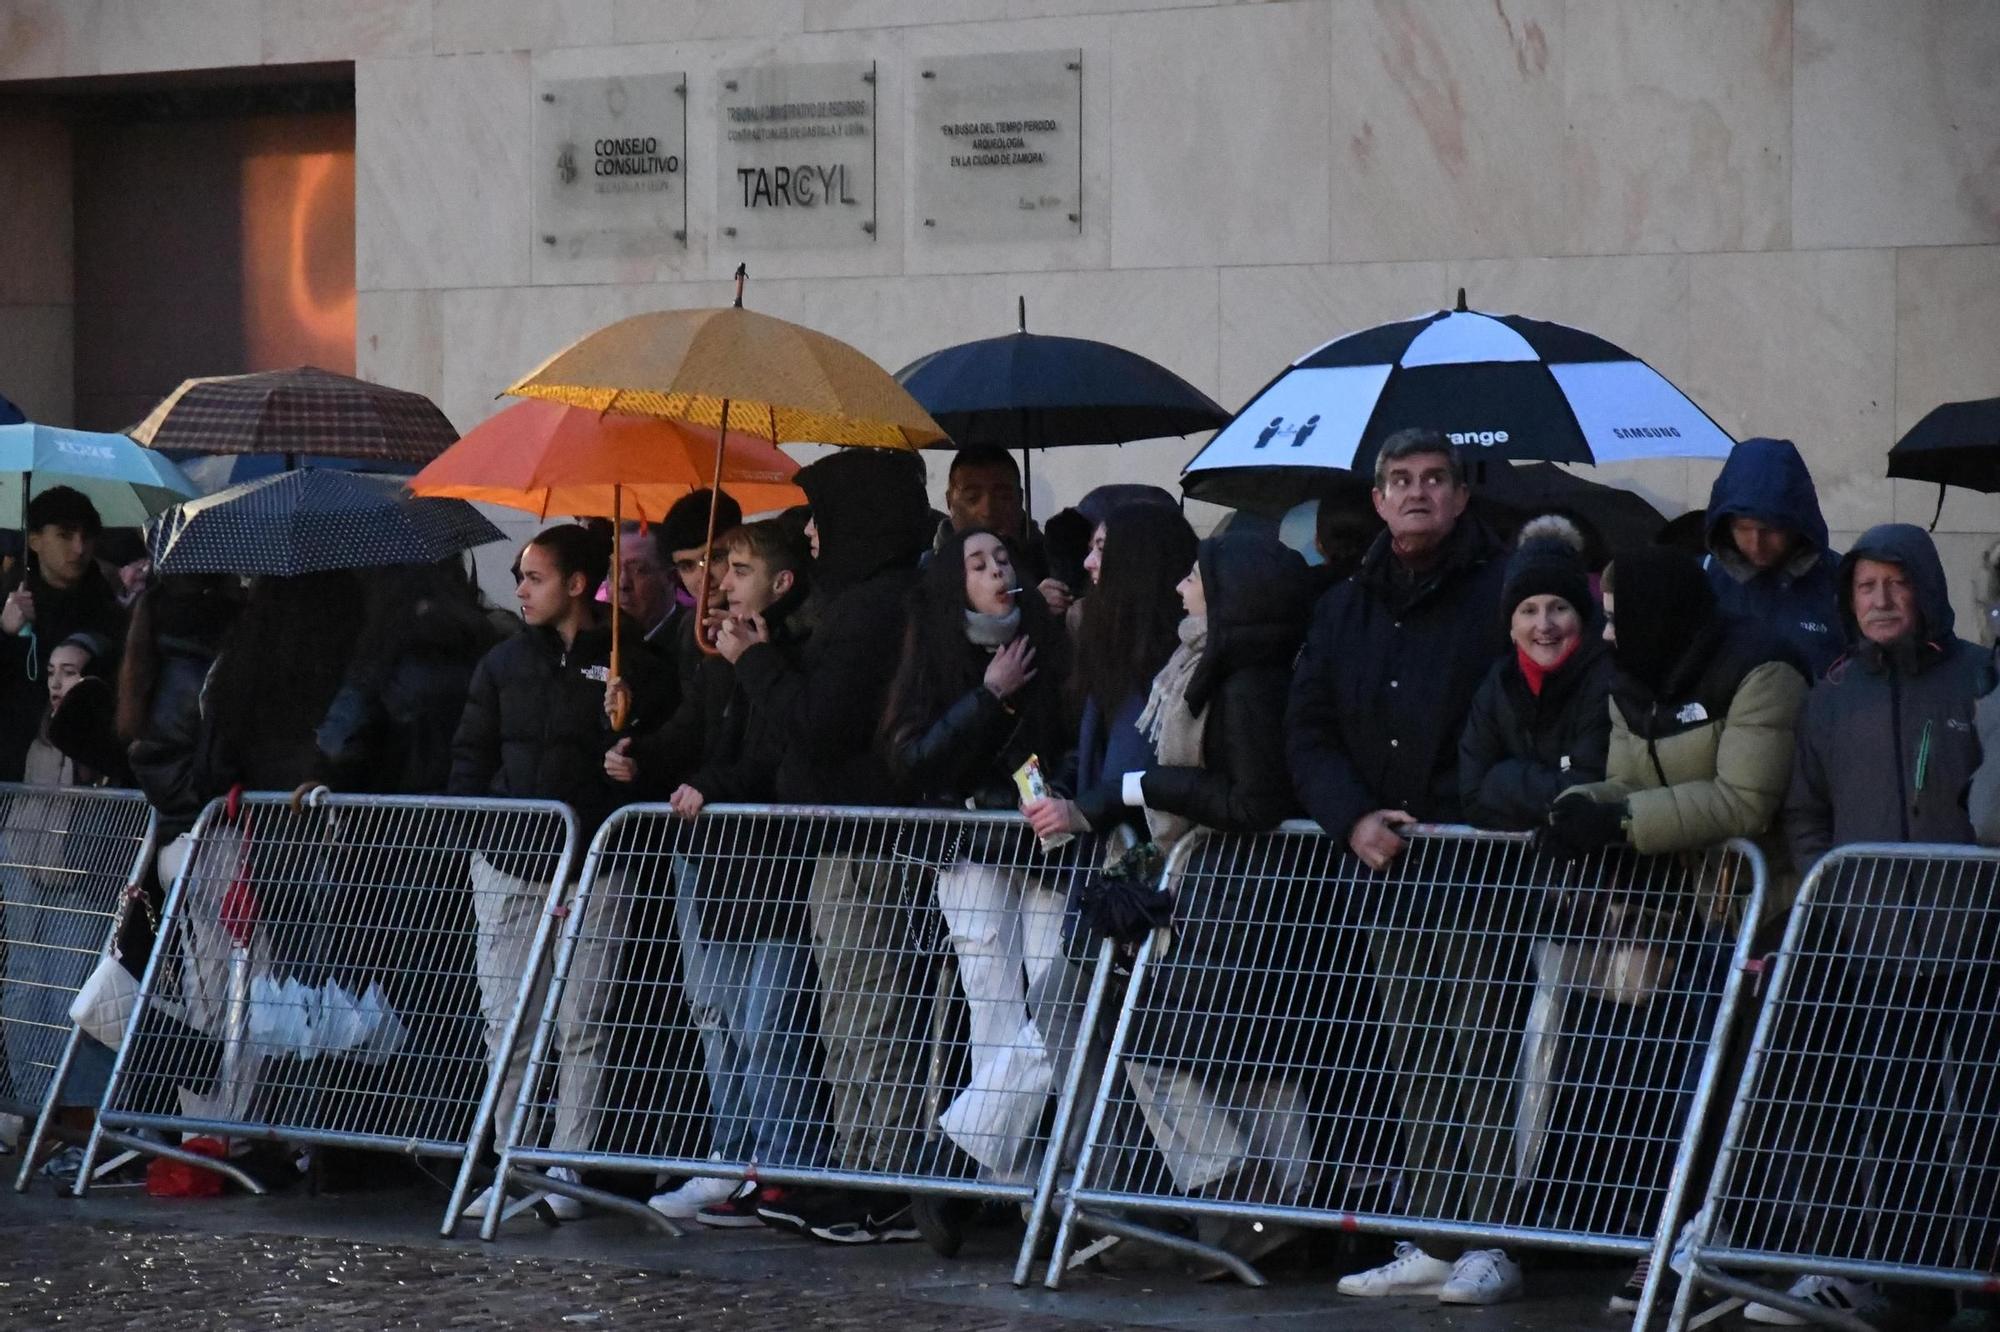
795, 156
998, 146
611, 166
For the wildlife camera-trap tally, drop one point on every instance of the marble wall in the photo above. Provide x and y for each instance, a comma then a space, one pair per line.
1790, 207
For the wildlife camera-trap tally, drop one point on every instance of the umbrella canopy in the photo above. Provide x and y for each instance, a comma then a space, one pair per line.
9, 413
1032, 391
211, 472
307, 522
1512, 387
126, 482
548, 458
777, 380
1957, 444
298, 411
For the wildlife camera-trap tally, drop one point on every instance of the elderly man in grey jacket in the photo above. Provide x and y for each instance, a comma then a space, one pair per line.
1893, 984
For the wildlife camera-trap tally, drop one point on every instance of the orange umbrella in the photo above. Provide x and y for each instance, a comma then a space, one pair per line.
547, 458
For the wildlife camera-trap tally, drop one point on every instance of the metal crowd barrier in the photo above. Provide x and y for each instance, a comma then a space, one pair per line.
1480, 1043
870, 998
67, 856
346, 974
1864, 1140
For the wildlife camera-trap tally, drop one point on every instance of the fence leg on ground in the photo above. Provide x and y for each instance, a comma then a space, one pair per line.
1777, 1299
1045, 1183
32, 1148
544, 1183
132, 1142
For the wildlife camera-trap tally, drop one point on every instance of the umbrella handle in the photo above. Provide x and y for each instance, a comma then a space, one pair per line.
714, 501
620, 699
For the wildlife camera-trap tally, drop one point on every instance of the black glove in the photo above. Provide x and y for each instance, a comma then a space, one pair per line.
1579, 826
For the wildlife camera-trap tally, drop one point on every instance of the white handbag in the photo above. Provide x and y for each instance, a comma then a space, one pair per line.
103, 1007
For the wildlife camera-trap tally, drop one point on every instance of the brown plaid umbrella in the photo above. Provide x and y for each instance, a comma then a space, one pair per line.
299, 411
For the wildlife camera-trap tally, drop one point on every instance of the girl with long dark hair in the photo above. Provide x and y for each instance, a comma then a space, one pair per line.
1131, 625
979, 692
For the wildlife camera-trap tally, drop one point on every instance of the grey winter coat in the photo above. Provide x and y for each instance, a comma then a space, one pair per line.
1887, 753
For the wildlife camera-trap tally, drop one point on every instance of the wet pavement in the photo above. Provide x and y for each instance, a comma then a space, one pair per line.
375, 1261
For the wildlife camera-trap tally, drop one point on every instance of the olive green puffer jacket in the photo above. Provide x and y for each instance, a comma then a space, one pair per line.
1709, 757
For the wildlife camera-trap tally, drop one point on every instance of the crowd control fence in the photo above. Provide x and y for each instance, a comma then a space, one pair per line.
1481, 1043
878, 999
1864, 1139
343, 972
67, 857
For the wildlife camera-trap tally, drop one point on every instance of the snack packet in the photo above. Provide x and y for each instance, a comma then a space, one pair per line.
1028, 780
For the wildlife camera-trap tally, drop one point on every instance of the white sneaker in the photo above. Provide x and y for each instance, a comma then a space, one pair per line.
1410, 1272
1863, 1299
1482, 1276
564, 1207
701, 1191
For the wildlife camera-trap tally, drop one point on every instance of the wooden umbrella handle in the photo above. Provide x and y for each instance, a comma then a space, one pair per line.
620, 698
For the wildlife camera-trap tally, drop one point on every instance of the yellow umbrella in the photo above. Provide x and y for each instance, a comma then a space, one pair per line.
734, 369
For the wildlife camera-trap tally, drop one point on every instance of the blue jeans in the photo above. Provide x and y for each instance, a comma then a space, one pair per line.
753, 1003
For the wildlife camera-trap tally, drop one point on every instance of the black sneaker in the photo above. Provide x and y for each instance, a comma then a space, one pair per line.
886, 1221
739, 1210
797, 1210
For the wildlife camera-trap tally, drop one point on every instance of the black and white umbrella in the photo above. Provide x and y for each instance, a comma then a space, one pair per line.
311, 521
1504, 386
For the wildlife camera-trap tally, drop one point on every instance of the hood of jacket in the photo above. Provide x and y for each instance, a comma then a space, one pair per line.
1910, 548
871, 512
1765, 479
1260, 597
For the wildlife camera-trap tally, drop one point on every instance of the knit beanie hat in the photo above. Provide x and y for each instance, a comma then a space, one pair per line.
686, 525
1548, 561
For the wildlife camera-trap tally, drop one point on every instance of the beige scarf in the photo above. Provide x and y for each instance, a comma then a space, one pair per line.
1175, 731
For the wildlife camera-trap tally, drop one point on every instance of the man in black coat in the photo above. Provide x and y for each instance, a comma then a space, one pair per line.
59, 592
1379, 701
534, 728
871, 524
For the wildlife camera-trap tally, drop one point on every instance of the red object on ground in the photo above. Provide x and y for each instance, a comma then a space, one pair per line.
177, 1179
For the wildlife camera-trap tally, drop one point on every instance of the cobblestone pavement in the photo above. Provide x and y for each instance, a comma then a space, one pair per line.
103, 1277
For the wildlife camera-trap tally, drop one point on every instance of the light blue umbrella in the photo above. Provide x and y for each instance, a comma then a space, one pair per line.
127, 482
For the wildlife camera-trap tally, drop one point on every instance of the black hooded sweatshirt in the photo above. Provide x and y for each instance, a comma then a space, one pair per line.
874, 523
1259, 598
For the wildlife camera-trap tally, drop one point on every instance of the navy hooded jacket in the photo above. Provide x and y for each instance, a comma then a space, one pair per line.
1766, 479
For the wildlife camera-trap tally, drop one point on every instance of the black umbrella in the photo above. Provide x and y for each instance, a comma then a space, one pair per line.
1957, 444
9, 413
1033, 391
310, 521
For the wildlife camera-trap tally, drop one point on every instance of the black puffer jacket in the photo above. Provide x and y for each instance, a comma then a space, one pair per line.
874, 522
187, 628
389, 730
1521, 750
534, 725
969, 753
1389, 670
1259, 597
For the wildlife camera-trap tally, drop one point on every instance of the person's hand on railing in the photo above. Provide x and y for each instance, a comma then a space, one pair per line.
686, 801
619, 765
1377, 837
1579, 826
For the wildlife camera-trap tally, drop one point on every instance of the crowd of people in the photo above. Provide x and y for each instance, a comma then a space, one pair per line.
867, 650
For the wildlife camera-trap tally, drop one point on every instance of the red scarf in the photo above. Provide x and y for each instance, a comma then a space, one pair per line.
1535, 674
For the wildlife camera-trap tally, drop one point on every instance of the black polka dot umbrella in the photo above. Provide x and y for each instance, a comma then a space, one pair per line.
310, 521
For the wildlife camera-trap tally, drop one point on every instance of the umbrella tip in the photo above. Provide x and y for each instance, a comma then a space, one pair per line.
1460, 307
1021, 309
742, 272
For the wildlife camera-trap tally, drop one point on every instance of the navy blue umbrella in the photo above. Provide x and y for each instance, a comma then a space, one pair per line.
1031, 391
211, 472
310, 521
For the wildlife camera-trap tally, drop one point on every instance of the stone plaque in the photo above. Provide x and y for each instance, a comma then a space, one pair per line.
795, 156
998, 146
611, 165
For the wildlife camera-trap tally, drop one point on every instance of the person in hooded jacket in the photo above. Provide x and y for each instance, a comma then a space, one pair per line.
535, 729
1768, 557
1705, 711
1898, 987
871, 522
978, 692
